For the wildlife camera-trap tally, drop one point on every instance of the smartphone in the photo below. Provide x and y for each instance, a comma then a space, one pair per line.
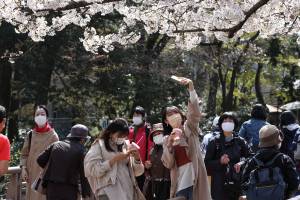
176, 78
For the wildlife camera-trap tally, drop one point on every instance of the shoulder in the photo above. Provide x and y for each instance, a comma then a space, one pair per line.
3, 138
53, 132
95, 147
285, 159
239, 139
247, 123
215, 139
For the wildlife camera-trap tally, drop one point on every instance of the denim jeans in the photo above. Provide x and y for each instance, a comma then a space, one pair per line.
187, 193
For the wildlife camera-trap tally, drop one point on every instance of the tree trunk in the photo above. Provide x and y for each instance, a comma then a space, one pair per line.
5, 82
258, 92
229, 97
212, 96
223, 87
291, 84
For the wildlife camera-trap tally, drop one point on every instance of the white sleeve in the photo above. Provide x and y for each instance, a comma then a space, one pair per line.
193, 96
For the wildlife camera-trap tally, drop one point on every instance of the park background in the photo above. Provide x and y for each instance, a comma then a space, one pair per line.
80, 85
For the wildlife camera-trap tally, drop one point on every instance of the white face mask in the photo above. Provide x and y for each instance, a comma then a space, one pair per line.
227, 126
158, 139
137, 120
40, 120
120, 141
175, 120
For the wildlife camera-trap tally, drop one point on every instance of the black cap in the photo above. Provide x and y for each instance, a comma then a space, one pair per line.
79, 131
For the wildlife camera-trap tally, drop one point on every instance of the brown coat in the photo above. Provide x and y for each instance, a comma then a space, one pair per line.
39, 142
191, 133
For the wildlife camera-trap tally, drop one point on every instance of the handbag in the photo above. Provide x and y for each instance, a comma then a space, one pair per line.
38, 185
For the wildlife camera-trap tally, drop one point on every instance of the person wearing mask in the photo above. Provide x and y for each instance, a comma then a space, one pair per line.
289, 127
112, 164
269, 157
65, 166
159, 182
37, 140
139, 133
250, 129
4, 144
223, 159
181, 149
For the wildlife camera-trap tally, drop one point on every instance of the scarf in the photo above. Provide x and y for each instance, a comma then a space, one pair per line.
44, 129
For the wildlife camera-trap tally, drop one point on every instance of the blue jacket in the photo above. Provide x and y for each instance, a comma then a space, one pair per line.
250, 131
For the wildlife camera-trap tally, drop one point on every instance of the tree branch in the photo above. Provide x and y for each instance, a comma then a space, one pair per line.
72, 5
231, 31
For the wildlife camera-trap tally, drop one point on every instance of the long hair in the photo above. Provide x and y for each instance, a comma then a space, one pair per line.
172, 109
119, 125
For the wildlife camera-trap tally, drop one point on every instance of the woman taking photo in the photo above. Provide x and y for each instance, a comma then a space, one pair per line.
182, 149
223, 159
112, 164
36, 142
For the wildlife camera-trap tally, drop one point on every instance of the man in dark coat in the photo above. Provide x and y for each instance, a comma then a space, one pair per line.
64, 162
270, 139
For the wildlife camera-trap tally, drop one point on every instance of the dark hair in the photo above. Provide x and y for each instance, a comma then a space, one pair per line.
230, 115
139, 110
42, 107
286, 118
171, 109
75, 139
2, 113
259, 112
118, 125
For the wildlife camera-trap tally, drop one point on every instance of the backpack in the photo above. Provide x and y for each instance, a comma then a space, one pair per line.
266, 181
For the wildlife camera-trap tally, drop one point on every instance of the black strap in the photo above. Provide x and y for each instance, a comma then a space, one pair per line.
267, 164
147, 131
29, 139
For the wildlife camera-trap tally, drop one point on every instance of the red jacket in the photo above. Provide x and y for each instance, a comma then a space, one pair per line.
140, 139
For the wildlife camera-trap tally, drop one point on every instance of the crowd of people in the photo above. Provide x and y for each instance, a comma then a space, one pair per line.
167, 160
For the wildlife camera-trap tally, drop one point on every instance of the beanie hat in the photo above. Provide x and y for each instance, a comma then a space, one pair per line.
269, 135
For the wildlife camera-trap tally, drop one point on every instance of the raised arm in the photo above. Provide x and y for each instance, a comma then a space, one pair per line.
194, 112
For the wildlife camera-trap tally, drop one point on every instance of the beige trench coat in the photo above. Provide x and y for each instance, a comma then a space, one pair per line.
191, 133
39, 142
100, 174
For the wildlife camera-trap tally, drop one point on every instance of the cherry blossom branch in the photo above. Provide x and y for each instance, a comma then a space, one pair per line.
74, 5
231, 31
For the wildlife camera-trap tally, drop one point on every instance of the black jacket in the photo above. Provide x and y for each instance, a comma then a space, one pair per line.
236, 149
65, 164
284, 162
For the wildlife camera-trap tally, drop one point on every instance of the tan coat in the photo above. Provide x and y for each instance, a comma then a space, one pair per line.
39, 142
191, 133
101, 175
